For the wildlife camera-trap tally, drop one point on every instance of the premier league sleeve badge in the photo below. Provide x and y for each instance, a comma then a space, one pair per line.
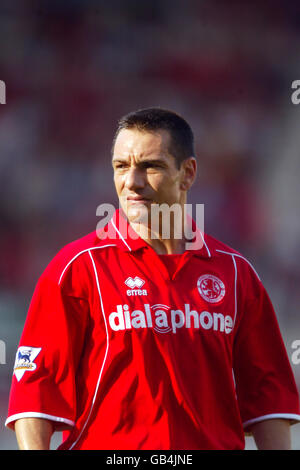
24, 362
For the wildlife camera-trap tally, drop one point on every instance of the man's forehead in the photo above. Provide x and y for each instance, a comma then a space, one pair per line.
135, 142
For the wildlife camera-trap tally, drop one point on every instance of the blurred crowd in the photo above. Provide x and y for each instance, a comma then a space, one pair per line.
73, 68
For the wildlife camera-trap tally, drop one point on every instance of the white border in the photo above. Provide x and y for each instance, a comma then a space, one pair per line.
272, 416
240, 256
105, 356
78, 254
235, 292
202, 236
121, 236
35, 414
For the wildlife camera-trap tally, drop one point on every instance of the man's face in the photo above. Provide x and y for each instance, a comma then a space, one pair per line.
145, 172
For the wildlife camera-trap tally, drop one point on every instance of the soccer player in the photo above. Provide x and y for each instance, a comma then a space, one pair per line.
138, 339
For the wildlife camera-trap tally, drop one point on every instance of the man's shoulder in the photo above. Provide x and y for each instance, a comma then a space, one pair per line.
85, 243
219, 248
71, 252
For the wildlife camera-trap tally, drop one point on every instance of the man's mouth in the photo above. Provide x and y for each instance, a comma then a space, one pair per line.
137, 200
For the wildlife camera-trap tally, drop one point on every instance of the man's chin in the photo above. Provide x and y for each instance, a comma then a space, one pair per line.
138, 214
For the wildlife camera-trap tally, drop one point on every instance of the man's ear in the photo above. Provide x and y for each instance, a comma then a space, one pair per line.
189, 171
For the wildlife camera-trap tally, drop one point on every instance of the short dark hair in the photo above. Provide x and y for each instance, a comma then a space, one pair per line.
155, 119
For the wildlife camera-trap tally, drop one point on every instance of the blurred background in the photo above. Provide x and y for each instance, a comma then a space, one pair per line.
73, 68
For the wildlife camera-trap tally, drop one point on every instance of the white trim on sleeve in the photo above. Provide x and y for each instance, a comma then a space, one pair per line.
35, 414
78, 254
242, 257
235, 289
291, 416
105, 356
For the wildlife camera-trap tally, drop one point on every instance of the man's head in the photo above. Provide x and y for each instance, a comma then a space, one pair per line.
153, 161
181, 145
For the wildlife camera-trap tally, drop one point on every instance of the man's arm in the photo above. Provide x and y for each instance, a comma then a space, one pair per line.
34, 433
272, 434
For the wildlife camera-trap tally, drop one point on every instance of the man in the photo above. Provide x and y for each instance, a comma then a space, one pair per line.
138, 340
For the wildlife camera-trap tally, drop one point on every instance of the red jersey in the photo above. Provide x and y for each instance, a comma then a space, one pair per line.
125, 349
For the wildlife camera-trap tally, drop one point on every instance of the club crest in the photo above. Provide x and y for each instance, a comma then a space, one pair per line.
211, 288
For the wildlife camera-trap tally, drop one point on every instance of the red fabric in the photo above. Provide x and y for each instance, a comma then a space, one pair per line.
139, 360
171, 262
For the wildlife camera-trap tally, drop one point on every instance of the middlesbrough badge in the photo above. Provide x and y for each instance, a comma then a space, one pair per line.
211, 288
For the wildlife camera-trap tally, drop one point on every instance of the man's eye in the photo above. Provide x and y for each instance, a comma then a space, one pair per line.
151, 165
119, 166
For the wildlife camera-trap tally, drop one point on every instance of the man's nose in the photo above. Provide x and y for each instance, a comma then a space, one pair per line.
134, 179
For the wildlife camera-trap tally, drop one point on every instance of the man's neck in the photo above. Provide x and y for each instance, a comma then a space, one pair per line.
160, 244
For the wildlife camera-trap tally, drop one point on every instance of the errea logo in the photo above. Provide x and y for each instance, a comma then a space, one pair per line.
135, 286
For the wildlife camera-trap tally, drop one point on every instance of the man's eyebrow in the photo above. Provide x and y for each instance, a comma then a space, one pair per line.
118, 160
155, 159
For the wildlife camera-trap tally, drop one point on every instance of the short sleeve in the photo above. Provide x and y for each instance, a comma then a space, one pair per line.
43, 383
265, 384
